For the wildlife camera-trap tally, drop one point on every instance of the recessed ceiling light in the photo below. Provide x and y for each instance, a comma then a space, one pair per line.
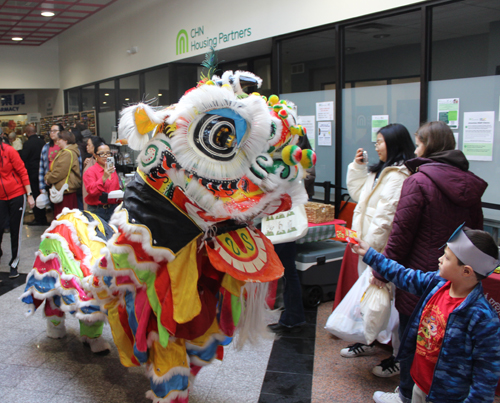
127, 99
17, 38
160, 95
380, 36
47, 13
104, 103
106, 95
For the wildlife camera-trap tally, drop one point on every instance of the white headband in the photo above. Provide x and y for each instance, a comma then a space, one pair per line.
470, 255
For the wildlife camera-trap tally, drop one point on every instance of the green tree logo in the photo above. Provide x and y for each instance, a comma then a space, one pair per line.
181, 43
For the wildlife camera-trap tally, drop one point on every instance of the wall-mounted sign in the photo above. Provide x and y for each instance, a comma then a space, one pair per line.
198, 40
33, 117
19, 102
12, 102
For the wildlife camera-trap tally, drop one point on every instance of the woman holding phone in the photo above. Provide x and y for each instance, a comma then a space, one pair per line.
377, 189
99, 180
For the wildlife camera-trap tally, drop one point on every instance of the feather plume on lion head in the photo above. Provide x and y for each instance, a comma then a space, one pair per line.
233, 155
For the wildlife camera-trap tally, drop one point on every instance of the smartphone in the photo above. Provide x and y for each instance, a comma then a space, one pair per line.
110, 162
365, 157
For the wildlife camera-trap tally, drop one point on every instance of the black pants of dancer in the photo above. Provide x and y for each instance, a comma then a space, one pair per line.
13, 209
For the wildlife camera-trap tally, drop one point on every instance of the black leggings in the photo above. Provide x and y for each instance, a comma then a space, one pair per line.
13, 211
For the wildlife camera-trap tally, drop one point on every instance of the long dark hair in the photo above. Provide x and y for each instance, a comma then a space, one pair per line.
97, 142
399, 146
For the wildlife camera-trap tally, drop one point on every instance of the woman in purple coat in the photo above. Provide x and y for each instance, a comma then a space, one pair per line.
440, 195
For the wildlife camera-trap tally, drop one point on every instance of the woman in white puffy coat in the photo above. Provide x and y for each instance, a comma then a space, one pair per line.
377, 189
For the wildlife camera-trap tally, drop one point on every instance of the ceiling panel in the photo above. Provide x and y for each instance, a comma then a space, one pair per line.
23, 18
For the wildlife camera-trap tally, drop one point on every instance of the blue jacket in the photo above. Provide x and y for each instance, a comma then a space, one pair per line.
468, 366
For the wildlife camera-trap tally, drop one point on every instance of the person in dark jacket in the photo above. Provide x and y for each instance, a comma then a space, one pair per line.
440, 195
14, 185
30, 155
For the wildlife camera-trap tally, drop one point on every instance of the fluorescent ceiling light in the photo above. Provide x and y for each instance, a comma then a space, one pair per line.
47, 13
17, 38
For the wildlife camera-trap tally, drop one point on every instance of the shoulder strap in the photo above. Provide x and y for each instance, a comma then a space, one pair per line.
70, 165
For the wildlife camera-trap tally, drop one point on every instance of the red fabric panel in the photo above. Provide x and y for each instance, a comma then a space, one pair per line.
348, 275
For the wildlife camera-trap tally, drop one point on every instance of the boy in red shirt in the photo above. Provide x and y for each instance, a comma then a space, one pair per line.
453, 333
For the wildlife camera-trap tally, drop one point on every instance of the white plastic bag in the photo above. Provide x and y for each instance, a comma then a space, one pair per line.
375, 309
42, 201
346, 321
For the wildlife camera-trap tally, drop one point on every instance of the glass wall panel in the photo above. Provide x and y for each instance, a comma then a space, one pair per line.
262, 68
88, 98
107, 114
157, 86
185, 76
129, 91
307, 76
307, 62
73, 101
382, 75
465, 67
399, 101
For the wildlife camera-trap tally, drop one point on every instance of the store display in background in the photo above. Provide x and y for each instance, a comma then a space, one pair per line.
13, 122
86, 117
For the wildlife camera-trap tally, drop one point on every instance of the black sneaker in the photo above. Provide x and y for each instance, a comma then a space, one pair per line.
278, 328
387, 368
13, 273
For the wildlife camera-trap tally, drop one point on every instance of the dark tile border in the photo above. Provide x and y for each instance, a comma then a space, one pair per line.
289, 371
8, 284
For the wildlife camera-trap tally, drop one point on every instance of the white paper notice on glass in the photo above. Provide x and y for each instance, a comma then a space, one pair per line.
479, 129
324, 111
324, 133
378, 121
448, 111
309, 123
456, 140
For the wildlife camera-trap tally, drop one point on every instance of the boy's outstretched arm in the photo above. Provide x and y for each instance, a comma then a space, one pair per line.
413, 281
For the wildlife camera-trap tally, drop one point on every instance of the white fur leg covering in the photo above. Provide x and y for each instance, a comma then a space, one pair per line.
56, 330
252, 325
97, 345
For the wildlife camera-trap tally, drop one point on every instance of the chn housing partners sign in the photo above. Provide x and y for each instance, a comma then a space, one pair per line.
197, 39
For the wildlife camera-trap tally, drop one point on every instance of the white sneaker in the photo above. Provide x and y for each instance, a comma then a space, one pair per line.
357, 350
387, 368
387, 397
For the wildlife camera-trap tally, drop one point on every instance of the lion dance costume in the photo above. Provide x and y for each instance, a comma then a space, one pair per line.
180, 267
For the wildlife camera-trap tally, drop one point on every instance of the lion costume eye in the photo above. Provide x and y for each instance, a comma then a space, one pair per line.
218, 134
215, 136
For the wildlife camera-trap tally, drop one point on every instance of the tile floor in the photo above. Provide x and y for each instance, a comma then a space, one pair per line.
302, 368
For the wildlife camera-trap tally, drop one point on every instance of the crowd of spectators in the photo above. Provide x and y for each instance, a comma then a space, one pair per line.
31, 164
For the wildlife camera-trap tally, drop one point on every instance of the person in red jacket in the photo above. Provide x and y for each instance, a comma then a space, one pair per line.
99, 180
440, 195
14, 186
